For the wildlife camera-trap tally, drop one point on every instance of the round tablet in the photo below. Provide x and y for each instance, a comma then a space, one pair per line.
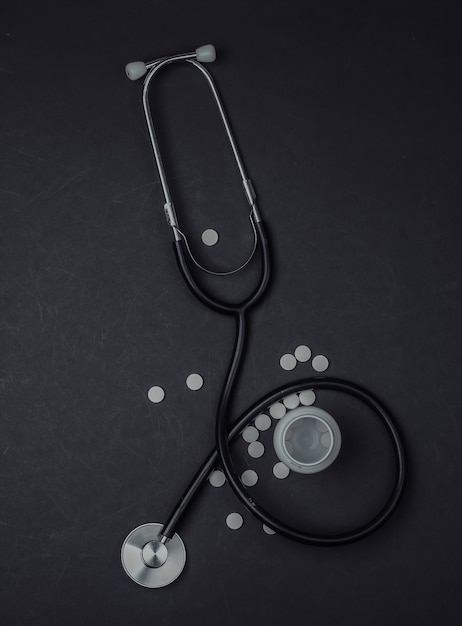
292, 401
321, 426
249, 478
156, 394
302, 354
250, 434
263, 422
287, 362
256, 449
194, 381
234, 521
320, 363
268, 530
217, 478
209, 237
326, 440
281, 471
277, 410
308, 397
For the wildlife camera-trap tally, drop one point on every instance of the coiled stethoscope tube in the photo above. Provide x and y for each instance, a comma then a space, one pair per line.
157, 548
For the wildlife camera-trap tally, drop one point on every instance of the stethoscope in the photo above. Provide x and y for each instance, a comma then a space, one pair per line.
153, 554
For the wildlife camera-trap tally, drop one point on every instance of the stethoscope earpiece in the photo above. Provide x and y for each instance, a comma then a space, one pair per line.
203, 54
135, 70
206, 54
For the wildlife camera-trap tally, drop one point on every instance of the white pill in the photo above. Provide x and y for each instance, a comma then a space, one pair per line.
281, 471
326, 440
302, 354
217, 478
250, 434
209, 237
249, 478
256, 449
263, 422
268, 530
292, 401
194, 381
156, 394
277, 410
308, 397
234, 521
320, 426
287, 362
320, 363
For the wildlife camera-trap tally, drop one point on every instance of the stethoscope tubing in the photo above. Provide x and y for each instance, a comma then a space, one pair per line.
220, 306
224, 435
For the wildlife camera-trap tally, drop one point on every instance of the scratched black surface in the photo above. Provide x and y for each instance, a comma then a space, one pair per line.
349, 122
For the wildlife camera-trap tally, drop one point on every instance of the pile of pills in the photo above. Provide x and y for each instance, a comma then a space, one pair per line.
302, 354
264, 421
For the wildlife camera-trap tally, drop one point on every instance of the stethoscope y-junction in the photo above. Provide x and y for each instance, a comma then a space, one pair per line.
307, 440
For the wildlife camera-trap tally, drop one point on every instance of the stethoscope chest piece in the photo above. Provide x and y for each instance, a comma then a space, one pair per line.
149, 561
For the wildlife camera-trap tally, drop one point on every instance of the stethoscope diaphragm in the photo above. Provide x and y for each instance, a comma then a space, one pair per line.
150, 562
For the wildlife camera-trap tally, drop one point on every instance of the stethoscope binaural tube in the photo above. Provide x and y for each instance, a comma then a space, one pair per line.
204, 54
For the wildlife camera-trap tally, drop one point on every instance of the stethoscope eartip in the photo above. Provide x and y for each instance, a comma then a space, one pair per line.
206, 54
135, 70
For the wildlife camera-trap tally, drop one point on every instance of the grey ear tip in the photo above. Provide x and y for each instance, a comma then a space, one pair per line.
135, 70
206, 54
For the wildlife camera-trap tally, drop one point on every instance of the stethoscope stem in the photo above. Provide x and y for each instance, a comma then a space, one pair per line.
214, 456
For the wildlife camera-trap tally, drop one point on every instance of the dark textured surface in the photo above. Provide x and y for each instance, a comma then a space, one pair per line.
349, 123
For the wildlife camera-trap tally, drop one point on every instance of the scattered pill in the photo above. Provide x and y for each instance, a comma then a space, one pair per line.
234, 521
302, 354
320, 426
292, 401
249, 478
156, 394
209, 237
256, 449
308, 397
250, 434
277, 410
320, 363
194, 381
287, 362
281, 471
217, 478
263, 422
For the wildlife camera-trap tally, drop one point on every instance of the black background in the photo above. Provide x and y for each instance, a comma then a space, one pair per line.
348, 116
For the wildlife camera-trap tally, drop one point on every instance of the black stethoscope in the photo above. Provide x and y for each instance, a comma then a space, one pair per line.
153, 554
